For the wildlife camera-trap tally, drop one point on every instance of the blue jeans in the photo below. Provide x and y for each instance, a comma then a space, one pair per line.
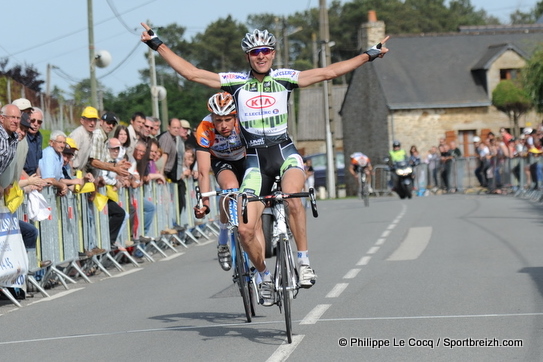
148, 213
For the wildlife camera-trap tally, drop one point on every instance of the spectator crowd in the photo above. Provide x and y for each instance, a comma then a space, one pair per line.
99, 153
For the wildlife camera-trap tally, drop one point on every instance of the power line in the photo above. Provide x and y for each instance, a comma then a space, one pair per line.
73, 32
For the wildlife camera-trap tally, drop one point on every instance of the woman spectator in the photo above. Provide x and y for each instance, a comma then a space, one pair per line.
414, 156
121, 133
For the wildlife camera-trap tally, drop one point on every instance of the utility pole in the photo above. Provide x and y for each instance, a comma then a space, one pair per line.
94, 97
327, 94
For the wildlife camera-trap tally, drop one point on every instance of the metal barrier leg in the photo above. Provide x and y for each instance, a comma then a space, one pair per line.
10, 297
114, 262
155, 246
145, 254
100, 266
200, 228
80, 271
189, 234
164, 240
62, 277
34, 282
120, 254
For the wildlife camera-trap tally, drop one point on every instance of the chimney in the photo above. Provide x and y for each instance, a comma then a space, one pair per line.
372, 32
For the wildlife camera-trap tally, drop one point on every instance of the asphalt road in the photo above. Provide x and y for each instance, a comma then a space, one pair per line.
439, 278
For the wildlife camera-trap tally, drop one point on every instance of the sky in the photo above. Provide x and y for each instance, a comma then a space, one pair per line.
55, 32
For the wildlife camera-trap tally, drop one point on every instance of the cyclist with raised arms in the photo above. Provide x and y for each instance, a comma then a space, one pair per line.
261, 95
219, 148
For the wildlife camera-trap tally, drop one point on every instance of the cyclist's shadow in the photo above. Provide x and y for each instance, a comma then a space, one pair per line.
224, 325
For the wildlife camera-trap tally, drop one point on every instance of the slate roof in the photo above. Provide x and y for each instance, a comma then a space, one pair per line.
435, 71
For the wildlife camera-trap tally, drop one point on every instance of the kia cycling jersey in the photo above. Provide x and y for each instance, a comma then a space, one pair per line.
262, 106
226, 148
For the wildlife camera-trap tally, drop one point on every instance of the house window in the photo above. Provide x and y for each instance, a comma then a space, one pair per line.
465, 142
509, 74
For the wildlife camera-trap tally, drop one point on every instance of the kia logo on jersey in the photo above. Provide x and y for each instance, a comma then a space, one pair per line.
260, 102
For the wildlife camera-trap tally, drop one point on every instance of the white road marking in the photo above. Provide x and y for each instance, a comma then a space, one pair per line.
380, 241
385, 233
364, 261
314, 316
58, 295
373, 250
173, 256
135, 270
284, 350
337, 290
411, 248
351, 274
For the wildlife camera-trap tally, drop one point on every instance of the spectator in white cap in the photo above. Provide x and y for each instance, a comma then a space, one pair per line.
24, 105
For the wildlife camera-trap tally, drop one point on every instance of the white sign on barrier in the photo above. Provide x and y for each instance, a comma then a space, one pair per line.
13, 256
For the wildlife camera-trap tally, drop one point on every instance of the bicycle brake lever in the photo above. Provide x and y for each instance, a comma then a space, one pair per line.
313, 201
244, 202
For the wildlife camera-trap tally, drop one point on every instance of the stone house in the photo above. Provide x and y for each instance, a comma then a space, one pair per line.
430, 86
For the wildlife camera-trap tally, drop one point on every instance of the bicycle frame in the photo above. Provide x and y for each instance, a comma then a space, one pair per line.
243, 273
286, 284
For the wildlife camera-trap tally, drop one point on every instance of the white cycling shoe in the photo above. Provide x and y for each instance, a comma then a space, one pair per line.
307, 276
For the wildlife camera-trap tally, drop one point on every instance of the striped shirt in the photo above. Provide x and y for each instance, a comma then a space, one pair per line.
8, 148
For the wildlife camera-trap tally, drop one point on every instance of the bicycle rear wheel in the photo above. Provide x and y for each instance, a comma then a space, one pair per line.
243, 276
285, 284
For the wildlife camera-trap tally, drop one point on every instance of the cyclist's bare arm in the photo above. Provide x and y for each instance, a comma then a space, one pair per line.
204, 168
183, 67
312, 76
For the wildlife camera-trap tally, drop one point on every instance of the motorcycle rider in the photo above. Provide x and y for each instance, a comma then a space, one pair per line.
397, 154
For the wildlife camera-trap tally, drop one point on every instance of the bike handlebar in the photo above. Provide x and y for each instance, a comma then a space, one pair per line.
278, 196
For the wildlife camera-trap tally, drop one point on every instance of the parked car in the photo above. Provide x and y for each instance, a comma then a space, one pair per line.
320, 162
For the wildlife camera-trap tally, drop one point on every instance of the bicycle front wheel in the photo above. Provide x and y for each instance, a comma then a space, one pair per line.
366, 194
285, 283
243, 276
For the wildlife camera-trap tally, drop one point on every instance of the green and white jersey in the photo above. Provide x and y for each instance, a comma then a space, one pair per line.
262, 106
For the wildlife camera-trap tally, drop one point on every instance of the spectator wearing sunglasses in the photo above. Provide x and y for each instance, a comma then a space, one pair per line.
34, 136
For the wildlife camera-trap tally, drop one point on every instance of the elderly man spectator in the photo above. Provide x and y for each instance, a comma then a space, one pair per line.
29, 232
156, 127
50, 165
11, 115
34, 139
116, 214
82, 136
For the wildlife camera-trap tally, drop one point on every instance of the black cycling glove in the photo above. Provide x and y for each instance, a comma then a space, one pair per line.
374, 51
155, 41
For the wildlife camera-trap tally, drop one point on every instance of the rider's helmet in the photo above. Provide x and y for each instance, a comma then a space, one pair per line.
222, 104
256, 39
396, 144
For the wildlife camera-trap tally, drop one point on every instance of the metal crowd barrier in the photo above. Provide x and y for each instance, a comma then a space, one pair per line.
76, 226
508, 175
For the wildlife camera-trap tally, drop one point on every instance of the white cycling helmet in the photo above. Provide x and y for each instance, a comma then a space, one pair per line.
256, 39
221, 104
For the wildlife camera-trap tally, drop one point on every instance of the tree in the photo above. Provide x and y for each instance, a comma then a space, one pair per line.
509, 97
532, 79
25, 74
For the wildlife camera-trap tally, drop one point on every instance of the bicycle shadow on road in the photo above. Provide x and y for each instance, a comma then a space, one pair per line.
536, 273
216, 325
